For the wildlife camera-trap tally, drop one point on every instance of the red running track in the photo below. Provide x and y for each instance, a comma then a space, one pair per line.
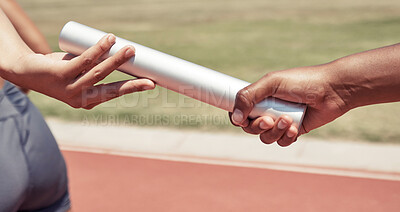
101, 182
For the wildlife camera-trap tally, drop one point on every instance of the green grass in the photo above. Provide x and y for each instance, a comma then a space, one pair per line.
245, 39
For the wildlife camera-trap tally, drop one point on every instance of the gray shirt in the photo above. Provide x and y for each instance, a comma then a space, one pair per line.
33, 174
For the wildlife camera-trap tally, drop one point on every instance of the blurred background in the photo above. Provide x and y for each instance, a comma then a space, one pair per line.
161, 151
245, 39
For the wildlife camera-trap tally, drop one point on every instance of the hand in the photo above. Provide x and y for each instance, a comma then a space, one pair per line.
308, 85
73, 79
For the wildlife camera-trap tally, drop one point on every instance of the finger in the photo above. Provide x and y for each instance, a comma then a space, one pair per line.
104, 92
245, 123
251, 95
289, 137
259, 125
243, 106
89, 57
102, 70
280, 127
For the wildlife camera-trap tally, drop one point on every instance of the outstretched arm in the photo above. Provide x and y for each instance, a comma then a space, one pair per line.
59, 75
329, 90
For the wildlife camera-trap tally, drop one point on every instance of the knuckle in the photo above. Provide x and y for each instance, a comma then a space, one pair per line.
87, 60
98, 74
113, 93
242, 94
103, 46
271, 81
243, 97
266, 139
118, 61
275, 75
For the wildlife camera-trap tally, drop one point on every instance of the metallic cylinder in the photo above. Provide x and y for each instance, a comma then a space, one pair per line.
176, 74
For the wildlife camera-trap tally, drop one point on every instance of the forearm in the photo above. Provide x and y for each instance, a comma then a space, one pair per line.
11, 47
27, 30
369, 77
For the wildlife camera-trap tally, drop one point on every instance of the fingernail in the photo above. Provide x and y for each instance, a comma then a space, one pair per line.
263, 125
111, 38
129, 53
282, 124
237, 116
290, 134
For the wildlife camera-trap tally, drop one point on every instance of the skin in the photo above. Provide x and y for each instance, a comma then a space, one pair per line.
27, 61
72, 80
329, 90
26, 29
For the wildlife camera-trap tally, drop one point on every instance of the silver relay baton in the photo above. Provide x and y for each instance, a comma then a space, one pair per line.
178, 75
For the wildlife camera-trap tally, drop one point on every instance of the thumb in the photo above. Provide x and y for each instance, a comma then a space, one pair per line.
249, 96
